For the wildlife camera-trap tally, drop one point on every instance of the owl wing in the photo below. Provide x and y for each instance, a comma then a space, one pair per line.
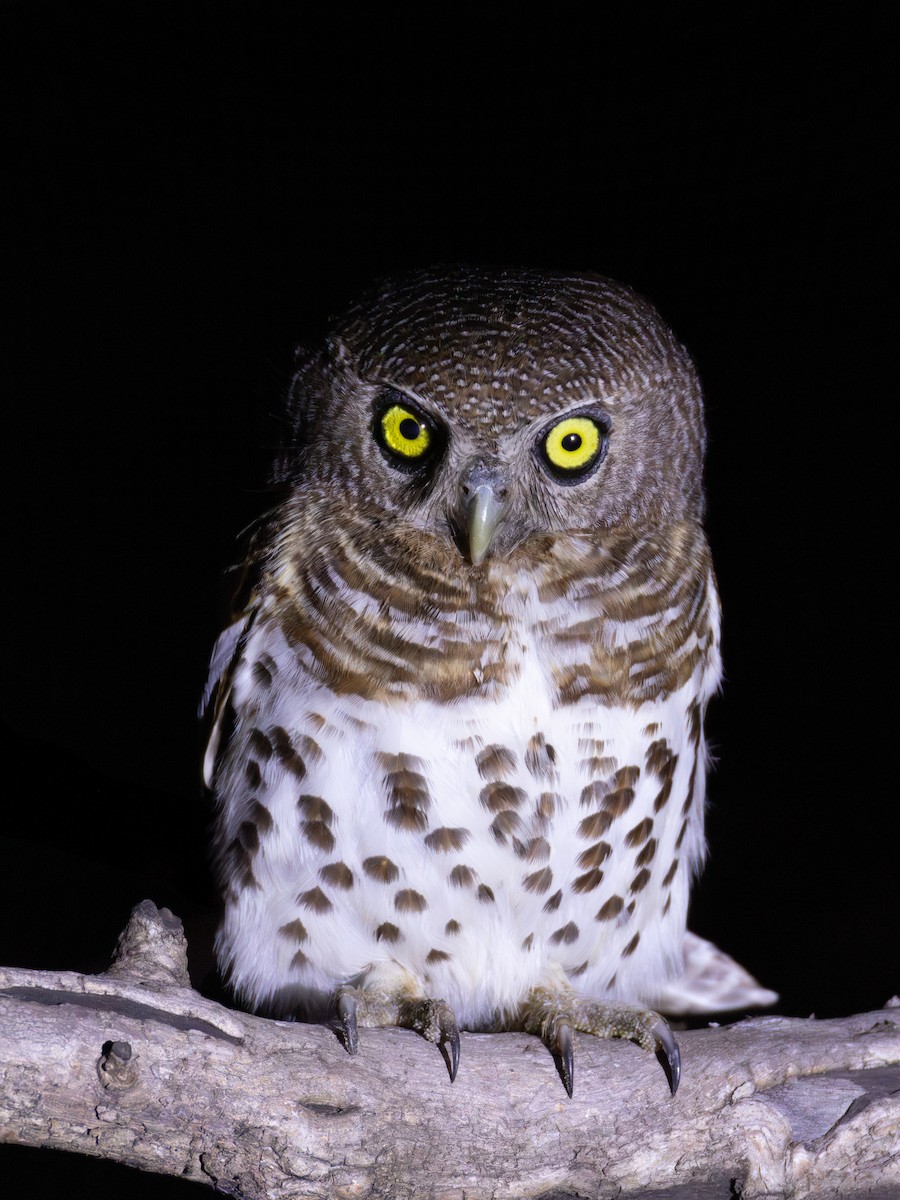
227, 654
711, 982
228, 649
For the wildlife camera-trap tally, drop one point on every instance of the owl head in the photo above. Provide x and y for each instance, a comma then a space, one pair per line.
485, 407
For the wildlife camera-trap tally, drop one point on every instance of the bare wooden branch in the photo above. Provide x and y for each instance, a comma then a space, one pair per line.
135, 1066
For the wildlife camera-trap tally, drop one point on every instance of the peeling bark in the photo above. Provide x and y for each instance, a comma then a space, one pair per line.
135, 1066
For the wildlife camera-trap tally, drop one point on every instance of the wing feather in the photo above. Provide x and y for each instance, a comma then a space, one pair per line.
226, 655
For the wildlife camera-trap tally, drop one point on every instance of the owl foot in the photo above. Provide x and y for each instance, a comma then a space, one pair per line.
553, 1017
432, 1019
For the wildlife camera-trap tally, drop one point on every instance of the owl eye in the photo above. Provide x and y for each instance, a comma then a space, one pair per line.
407, 437
573, 447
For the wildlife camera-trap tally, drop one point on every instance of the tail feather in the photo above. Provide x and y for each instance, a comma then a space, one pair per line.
711, 982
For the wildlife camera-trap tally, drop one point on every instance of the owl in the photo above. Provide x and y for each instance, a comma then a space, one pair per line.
458, 750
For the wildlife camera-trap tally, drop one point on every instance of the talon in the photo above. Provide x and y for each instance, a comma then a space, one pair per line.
435, 1021
441, 1027
565, 1053
346, 1006
449, 1046
667, 1053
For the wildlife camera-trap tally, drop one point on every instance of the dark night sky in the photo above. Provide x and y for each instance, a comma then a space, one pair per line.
193, 188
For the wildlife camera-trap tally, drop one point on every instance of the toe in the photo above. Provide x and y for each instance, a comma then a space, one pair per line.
553, 1014
436, 1021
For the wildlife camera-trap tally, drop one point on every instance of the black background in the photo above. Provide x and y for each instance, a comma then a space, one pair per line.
194, 187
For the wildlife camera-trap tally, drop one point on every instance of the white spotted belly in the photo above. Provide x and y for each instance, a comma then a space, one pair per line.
485, 846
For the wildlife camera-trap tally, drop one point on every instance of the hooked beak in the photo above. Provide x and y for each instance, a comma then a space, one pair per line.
484, 500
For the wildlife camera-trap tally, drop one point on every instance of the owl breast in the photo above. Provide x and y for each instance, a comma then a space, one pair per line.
504, 792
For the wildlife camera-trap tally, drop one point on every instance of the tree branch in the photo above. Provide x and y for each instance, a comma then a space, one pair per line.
135, 1066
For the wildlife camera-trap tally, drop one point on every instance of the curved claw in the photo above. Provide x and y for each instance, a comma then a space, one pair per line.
564, 1050
449, 1046
667, 1053
347, 1005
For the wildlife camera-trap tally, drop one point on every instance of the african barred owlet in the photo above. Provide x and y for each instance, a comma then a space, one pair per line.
458, 752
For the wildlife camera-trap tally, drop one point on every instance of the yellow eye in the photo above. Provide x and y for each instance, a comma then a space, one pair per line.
573, 445
404, 432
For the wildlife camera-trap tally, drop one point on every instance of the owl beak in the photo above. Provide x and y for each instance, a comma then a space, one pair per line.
484, 499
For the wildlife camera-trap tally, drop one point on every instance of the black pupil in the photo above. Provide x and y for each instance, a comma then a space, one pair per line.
572, 441
409, 428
